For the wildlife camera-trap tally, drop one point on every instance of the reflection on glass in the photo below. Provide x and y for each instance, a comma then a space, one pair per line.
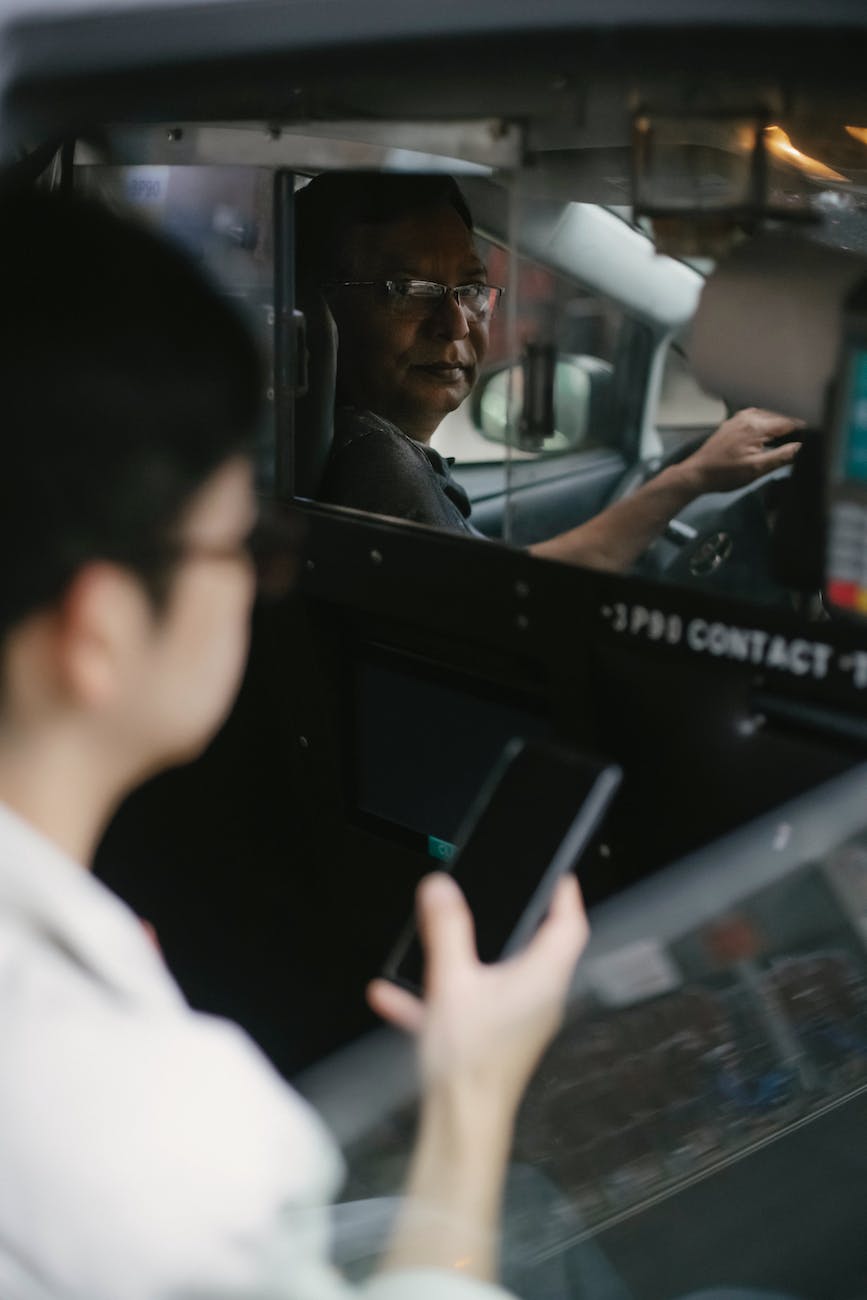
764, 1023
712, 1076
222, 217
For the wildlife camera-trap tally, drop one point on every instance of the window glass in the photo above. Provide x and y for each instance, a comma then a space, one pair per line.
709, 1085
222, 216
684, 410
582, 328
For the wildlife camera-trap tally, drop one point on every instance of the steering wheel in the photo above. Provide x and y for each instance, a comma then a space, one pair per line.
721, 541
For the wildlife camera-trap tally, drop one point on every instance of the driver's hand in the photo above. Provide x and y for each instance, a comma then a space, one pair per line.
485, 1026
741, 450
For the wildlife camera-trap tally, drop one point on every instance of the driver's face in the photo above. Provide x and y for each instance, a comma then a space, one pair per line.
412, 371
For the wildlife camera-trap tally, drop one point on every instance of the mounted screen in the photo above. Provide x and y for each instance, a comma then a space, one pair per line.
424, 741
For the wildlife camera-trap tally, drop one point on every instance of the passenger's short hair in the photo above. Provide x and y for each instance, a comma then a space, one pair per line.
126, 380
335, 202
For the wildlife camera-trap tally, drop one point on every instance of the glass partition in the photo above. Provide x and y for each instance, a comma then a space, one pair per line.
519, 420
223, 217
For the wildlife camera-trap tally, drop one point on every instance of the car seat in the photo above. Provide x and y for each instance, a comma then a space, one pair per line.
314, 407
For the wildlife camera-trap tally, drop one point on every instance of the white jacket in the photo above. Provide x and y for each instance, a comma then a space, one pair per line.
147, 1152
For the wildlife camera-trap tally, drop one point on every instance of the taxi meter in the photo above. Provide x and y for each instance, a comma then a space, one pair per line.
846, 557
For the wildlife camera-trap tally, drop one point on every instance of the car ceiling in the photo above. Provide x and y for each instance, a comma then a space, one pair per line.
582, 67
553, 88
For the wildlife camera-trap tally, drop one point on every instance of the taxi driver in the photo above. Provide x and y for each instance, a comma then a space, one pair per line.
394, 257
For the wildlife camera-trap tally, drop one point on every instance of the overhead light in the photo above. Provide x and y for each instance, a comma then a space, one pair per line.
702, 178
778, 143
858, 133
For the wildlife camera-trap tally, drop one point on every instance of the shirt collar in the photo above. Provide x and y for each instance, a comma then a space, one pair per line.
44, 889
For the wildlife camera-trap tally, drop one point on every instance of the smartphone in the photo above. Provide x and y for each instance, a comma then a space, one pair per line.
532, 821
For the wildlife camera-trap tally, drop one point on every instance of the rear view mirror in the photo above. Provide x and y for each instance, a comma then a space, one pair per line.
582, 404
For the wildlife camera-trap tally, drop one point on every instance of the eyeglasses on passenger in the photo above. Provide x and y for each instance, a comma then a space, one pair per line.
272, 547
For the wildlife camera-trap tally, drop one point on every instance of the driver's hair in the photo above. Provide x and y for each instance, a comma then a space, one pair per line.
126, 380
333, 203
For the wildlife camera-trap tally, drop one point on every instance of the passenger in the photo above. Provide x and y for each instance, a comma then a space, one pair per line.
147, 1151
404, 362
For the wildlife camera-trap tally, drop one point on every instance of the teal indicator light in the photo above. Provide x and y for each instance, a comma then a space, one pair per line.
442, 850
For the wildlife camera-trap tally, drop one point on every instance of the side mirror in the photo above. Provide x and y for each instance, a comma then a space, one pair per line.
583, 391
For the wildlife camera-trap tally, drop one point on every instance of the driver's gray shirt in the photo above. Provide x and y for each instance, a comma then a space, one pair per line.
375, 466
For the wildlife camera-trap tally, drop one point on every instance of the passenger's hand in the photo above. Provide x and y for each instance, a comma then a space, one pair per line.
739, 451
485, 1026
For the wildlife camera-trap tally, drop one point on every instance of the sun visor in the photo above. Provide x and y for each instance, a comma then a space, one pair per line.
768, 326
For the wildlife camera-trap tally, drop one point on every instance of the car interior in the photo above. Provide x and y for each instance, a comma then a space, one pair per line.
678, 211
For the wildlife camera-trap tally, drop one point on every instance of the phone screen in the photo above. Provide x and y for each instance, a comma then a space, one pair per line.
530, 824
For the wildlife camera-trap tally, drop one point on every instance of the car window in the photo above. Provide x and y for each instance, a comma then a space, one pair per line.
222, 217
582, 327
684, 410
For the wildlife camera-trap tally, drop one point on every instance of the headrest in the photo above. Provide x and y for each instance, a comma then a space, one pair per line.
767, 329
314, 412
